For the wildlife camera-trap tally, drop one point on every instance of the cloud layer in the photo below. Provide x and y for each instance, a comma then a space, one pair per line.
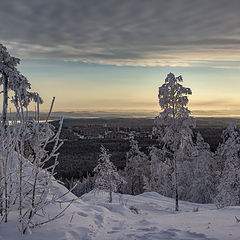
126, 32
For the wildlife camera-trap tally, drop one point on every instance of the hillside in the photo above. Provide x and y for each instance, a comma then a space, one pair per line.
152, 217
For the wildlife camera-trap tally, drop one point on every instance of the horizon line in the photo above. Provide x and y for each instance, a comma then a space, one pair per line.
130, 114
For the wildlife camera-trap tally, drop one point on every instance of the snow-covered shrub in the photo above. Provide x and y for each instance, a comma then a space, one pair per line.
39, 184
26, 185
45, 131
134, 209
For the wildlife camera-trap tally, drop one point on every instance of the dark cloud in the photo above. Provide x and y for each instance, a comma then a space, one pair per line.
132, 32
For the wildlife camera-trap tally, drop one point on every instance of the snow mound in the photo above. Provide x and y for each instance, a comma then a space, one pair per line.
148, 216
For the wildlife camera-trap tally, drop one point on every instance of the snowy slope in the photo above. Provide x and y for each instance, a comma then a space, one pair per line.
92, 218
157, 220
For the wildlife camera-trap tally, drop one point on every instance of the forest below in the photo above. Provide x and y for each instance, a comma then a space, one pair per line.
78, 157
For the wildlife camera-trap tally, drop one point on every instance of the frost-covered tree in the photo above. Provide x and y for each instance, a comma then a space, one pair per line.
12, 79
9, 73
40, 182
80, 187
196, 173
26, 184
107, 177
203, 182
172, 126
136, 170
229, 178
161, 173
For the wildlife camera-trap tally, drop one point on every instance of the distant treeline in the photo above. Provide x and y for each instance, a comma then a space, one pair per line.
78, 157
201, 122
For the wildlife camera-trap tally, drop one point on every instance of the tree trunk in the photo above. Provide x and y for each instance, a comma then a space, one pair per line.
1, 187
4, 124
176, 185
132, 187
110, 195
5, 101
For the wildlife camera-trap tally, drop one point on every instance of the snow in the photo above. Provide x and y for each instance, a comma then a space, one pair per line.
147, 216
93, 218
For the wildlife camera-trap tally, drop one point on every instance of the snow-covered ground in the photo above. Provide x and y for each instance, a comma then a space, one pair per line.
148, 216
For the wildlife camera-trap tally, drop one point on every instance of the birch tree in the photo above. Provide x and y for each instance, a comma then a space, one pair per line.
172, 126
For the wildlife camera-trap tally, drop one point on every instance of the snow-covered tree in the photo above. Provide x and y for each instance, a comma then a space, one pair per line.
196, 172
80, 187
107, 177
137, 170
8, 72
229, 178
172, 126
26, 184
161, 173
203, 182
12, 79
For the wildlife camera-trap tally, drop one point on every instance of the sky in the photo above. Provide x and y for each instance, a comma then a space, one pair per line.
112, 55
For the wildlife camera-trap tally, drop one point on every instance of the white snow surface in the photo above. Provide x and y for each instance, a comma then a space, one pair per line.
92, 218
